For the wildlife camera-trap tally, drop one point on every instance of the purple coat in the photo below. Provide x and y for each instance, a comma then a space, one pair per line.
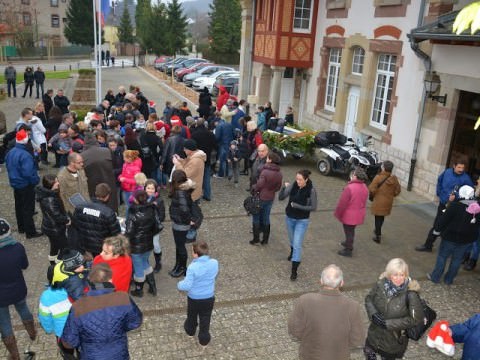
351, 207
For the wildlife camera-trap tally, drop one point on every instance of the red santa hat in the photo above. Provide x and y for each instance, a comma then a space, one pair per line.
151, 103
175, 120
439, 338
21, 137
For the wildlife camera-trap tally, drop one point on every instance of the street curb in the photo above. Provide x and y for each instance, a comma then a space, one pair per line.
169, 89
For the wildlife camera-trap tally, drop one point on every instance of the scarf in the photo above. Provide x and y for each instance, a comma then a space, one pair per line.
391, 290
6, 241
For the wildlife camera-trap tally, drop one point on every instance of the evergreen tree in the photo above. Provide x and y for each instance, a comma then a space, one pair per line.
176, 28
225, 26
157, 26
143, 14
79, 25
125, 30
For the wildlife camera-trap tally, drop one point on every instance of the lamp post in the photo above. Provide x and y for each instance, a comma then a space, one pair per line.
432, 84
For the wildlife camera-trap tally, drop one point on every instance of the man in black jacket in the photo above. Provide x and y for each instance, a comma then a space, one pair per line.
62, 101
94, 221
47, 99
39, 77
205, 142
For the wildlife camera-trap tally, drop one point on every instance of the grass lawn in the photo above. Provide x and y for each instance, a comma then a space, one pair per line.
64, 74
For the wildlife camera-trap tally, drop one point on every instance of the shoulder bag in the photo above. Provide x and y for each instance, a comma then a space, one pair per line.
429, 316
370, 194
252, 204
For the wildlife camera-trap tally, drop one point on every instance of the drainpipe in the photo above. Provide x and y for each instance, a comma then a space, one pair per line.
427, 62
252, 39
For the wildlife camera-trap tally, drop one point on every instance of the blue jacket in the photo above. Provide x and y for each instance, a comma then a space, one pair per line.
468, 333
200, 279
21, 167
448, 180
13, 260
53, 310
224, 133
98, 324
236, 119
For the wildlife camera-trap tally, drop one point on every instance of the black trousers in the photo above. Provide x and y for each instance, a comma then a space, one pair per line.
180, 238
349, 231
24, 209
431, 237
378, 224
199, 311
28, 86
57, 243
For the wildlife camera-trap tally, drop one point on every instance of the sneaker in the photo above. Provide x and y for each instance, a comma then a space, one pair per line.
217, 176
429, 277
229, 178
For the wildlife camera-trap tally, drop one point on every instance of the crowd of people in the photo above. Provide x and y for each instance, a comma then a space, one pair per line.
125, 152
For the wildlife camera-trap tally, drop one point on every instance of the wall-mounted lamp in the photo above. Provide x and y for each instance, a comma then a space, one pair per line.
432, 85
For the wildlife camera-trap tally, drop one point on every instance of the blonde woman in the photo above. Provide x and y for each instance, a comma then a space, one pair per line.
393, 305
115, 252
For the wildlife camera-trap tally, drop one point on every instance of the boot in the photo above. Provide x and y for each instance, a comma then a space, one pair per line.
152, 287
377, 238
293, 275
289, 258
470, 265
138, 289
182, 267
31, 330
345, 252
266, 234
256, 234
175, 268
158, 262
11, 345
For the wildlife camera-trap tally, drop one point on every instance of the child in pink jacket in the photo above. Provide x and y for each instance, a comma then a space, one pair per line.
132, 165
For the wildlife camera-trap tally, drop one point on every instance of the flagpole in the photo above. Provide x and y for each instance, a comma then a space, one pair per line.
100, 50
95, 48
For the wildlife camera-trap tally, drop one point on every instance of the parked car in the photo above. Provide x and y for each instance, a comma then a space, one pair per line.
208, 81
169, 65
161, 60
171, 61
175, 65
180, 73
206, 71
184, 64
227, 81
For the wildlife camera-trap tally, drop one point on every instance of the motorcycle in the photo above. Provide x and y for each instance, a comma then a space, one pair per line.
339, 154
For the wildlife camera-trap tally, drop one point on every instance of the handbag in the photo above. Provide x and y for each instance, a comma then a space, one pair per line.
429, 316
252, 204
370, 194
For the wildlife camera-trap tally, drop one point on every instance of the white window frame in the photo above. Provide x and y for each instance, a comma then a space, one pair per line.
296, 6
382, 94
334, 60
358, 60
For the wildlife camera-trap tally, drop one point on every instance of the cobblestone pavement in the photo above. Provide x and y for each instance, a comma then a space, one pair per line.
254, 294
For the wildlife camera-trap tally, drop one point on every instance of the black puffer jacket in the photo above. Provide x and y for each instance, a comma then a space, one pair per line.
398, 314
142, 223
181, 206
457, 225
54, 218
94, 222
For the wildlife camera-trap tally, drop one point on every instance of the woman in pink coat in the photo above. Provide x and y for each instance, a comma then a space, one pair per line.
132, 165
351, 208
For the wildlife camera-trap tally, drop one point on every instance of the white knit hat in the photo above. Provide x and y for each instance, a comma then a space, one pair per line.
466, 192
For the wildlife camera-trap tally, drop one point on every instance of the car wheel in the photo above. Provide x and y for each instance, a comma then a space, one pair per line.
324, 166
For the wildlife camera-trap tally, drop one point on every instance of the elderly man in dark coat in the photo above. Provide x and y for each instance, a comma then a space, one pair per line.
99, 168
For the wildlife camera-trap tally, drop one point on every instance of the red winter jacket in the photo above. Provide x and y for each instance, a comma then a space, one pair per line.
129, 171
269, 182
352, 205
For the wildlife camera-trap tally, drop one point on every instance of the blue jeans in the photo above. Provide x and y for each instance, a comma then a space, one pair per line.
126, 196
448, 249
207, 189
12, 84
296, 232
222, 157
141, 266
39, 87
5, 320
263, 217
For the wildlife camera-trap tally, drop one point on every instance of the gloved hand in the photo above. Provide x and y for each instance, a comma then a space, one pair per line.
378, 319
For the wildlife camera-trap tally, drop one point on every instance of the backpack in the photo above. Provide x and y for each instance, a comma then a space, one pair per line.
145, 150
4, 148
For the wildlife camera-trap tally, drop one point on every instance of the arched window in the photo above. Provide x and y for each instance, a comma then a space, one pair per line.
357, 61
